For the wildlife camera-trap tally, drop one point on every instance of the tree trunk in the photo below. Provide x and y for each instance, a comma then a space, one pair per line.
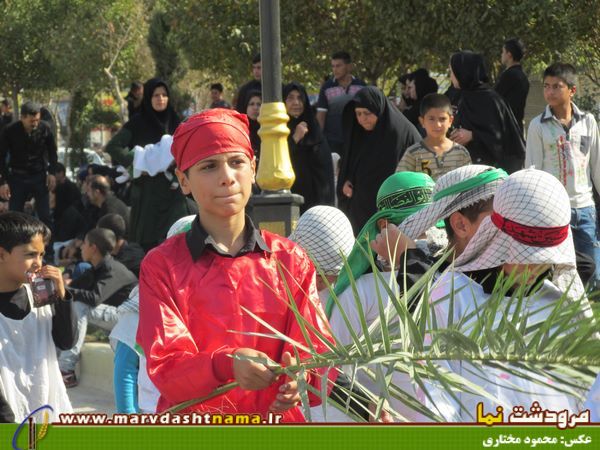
114, 81
15, 102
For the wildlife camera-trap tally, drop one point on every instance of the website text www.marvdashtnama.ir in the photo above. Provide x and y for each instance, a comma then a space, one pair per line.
169, 419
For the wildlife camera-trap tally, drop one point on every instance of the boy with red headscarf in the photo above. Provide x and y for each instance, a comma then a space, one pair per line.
200, 290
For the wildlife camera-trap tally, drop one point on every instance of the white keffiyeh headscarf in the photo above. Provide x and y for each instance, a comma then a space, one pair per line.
456, 190
325, 233
529, 225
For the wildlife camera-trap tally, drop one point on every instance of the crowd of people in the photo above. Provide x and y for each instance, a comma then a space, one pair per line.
158, 250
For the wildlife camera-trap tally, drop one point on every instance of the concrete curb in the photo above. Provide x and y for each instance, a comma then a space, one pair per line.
97, 365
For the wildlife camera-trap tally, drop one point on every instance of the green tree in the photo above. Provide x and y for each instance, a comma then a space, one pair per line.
170, 64
23, 30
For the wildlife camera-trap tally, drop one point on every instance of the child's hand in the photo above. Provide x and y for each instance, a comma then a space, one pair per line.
249, 374
384, 417
348, 189
288, 396
391, 243
54, 274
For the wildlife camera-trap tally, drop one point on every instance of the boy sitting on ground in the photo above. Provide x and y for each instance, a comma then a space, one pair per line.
96, 294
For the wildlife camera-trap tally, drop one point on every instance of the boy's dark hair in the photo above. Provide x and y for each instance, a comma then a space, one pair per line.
135, 86
434, 100
115, 223
515, 47
217, 86
566, 72
17, 228
471, 213
104, 240
256, 58
60, 168
99, 182
5, 102
30, 108
404, 78
345, 56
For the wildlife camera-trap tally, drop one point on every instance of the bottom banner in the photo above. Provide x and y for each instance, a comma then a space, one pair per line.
290, 437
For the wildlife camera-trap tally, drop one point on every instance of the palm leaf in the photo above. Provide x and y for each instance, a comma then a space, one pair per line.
498, 333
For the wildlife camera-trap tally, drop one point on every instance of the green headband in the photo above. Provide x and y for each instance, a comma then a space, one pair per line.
482, 179
405, 199
400, 196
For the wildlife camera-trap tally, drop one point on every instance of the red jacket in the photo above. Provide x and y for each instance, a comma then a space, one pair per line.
188, 309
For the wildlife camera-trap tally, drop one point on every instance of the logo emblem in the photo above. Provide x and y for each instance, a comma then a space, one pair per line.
34, 436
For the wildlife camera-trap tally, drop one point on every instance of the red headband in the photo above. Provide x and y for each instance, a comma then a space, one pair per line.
528, 235
209, 133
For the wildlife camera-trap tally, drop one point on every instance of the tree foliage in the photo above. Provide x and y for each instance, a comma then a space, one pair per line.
385, 38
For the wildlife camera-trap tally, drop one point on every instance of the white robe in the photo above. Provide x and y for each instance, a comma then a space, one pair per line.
29, 373
498, 383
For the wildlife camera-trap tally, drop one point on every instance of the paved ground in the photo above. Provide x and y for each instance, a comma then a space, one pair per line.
94, 394
86, 399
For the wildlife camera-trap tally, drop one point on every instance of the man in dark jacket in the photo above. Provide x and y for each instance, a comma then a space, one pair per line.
130, 254
513, 84
66, 192
101, 196
96, 294
31, 150
240, 99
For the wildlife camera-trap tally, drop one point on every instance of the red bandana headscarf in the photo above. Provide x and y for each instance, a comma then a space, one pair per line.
529, 235
210, 133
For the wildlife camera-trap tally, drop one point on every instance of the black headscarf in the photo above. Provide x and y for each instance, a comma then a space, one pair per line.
149, 125
371, 156
254, 125
311, 156
424, 85
497, 139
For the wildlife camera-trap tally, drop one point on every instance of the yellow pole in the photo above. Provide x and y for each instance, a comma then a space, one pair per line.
275, 167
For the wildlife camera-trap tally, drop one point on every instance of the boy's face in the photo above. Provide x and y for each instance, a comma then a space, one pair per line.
436, 122
221, 184
557, 92
23, 258
411, 89
87, 250
340, 69
505, 57
215, 95
257, 70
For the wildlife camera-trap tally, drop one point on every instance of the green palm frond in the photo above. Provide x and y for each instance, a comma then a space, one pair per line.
404, 349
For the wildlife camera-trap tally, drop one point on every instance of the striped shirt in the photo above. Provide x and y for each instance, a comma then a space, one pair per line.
420, 158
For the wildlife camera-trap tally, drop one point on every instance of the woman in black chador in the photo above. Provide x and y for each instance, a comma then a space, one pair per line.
309, 152
376, 135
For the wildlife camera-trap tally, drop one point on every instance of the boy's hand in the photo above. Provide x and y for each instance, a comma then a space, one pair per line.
54, 274
51, 182
347, 189
288, 396
250, 375
5, 192
384, 417
391, 243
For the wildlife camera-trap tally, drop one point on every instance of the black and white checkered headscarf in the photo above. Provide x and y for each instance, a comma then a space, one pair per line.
532, 198
419, 223
325, 233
